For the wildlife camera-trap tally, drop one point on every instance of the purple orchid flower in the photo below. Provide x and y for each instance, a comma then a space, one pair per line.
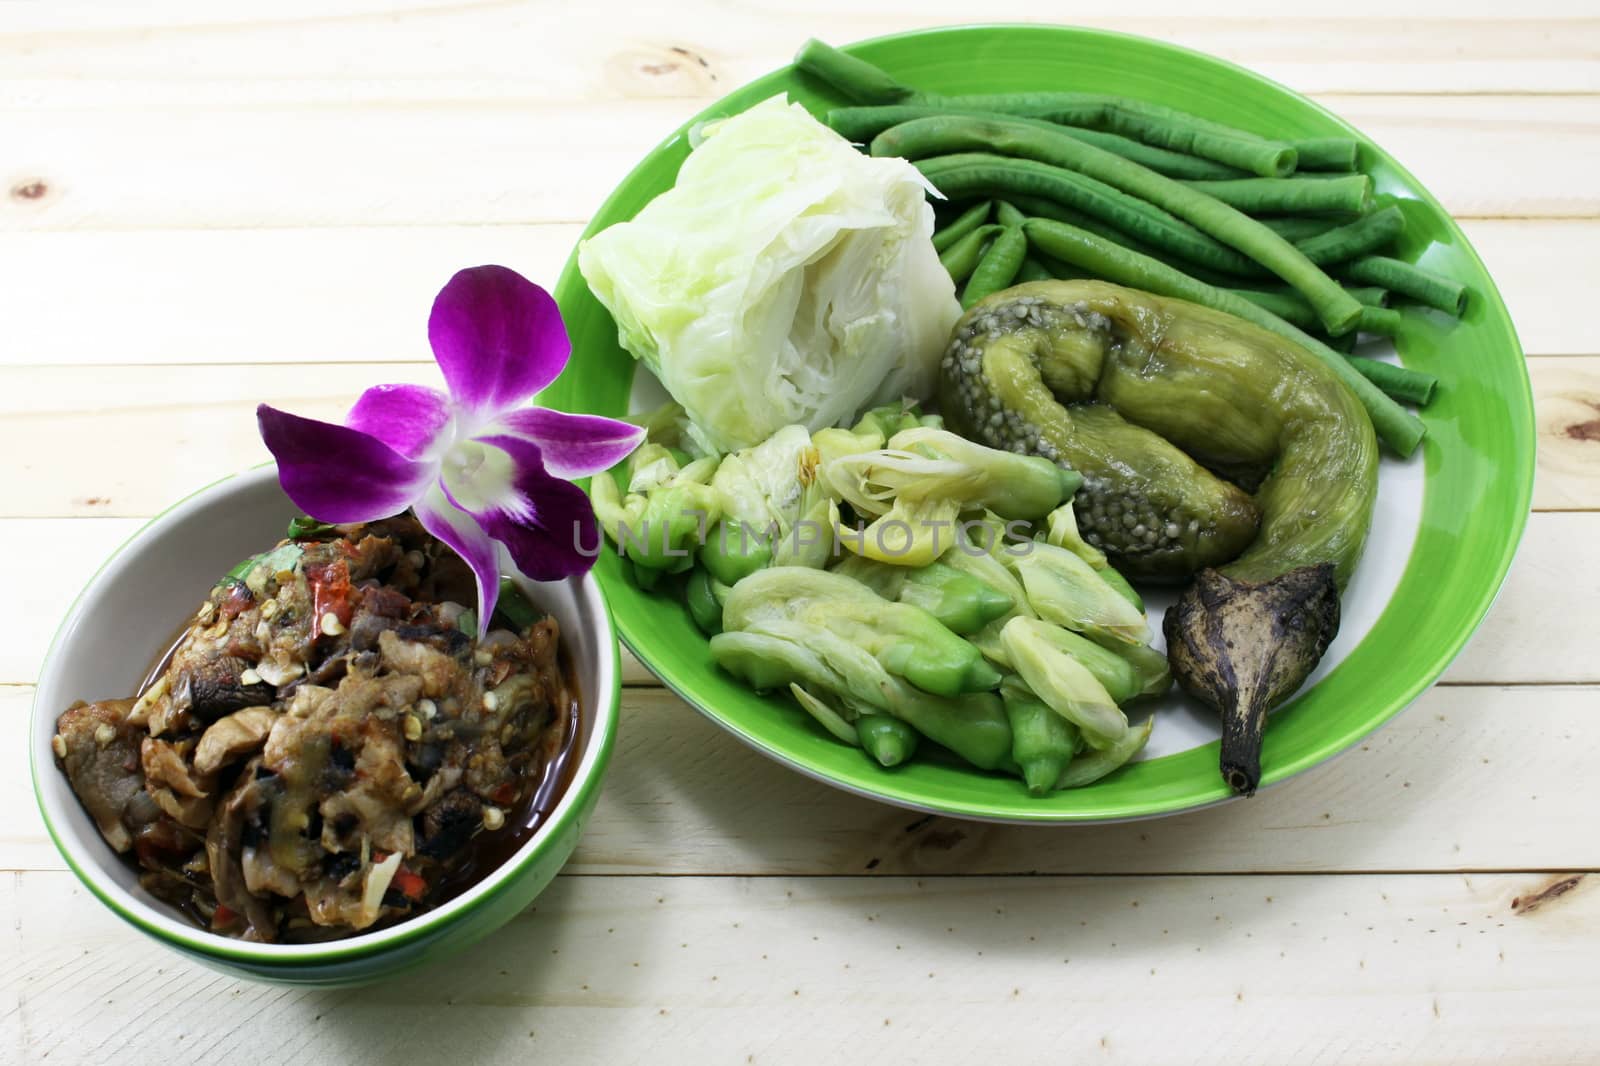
477, 467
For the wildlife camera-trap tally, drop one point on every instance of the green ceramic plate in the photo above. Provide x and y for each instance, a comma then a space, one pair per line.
1448, 522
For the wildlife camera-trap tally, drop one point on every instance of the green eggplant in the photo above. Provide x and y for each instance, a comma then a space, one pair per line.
1210, 449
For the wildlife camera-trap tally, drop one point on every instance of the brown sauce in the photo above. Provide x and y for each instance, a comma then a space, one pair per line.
560, 744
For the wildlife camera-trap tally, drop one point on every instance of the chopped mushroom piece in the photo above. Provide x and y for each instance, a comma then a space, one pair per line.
228, 739
101, 758
164, 768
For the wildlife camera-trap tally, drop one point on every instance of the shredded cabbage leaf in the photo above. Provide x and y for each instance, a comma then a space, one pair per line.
786, 278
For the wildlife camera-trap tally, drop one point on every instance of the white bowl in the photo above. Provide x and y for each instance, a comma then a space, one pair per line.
119, 625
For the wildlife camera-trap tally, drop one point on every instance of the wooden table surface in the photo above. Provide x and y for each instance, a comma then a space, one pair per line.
209, 205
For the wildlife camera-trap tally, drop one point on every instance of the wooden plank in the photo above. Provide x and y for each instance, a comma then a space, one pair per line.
1472, 778
252, 296
174, 54
1553, 586
1567, 399
509, 161
1291, 971
61, 558
177, 428
1518, 256
362, 294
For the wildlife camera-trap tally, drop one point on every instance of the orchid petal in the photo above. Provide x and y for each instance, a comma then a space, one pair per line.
338, 474
572, 445
467, 539
547, 524
414, 420
498, 338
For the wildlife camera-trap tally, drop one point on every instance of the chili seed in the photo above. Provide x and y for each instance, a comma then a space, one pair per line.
491, 702
249, 677
331, 626
104, 734
493, 818
413, 728
58, 745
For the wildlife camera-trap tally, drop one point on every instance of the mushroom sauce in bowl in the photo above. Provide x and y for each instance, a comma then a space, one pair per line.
492, 813
329, 747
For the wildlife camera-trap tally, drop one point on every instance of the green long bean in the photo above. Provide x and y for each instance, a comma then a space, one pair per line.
1396, 427
1300, 314
998, 267
1298, 228
1058, 270
1349, 194
920, 138
963, 224
1380, 320
1402, 383
961, 258
1365, 235
1327, 153
1161, 160
1368, 295
862, 124
1039, 207
855, 78
975, 174
1006, 213
1286, 305
1163, 127
1033, 270
1295, 311
1424, 286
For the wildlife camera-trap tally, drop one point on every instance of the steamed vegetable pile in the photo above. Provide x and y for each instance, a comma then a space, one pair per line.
1146, 373
924, 615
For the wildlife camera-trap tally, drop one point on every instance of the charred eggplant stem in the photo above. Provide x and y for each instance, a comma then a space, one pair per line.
1167, 408
1242, 647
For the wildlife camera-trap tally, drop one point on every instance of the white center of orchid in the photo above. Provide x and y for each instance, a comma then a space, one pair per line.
482, 478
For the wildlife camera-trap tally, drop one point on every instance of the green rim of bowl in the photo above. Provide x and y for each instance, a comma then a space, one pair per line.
211, 945
1479, 454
